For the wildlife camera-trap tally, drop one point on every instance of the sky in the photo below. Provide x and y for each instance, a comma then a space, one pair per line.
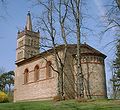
14, 17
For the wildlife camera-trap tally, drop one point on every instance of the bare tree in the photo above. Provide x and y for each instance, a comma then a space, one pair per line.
2, 7
2, 70
112, 19
75, 6
118, 3
57, 12
62, 18
49, 28
87, 79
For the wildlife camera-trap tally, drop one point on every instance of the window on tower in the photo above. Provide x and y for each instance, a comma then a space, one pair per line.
28, 54
35, 43
20, 55
20, 43
28, 41
32, 43
32, 53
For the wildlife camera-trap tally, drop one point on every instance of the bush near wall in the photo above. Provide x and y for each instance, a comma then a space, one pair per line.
3, 97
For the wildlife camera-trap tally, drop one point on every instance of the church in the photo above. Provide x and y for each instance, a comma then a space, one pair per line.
36, 80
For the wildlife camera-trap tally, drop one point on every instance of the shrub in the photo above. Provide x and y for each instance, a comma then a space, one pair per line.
58, 98
10, 97
3, 97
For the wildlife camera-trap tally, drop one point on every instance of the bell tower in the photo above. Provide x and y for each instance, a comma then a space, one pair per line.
27, 42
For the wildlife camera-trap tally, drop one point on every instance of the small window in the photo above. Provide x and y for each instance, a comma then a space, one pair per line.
32, 42
28, 41
35, 43
36, 73
48, 69
28, 54
32, 53
26, 75
22, 43
21, 54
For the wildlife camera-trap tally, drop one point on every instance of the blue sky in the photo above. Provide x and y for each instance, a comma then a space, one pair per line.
15, 18
14, 14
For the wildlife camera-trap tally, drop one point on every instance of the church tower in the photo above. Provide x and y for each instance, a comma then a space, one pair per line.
27, 41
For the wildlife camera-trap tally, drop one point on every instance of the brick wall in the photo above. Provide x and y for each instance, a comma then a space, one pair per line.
46, 88
43, 88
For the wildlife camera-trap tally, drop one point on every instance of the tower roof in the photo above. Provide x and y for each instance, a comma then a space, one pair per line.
29, 22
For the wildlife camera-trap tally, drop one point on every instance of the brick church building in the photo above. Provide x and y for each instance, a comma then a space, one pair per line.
36, 80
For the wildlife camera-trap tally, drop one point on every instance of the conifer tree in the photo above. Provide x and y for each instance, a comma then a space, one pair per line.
116, 75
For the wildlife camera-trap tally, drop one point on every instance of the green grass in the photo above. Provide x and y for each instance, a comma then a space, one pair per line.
63, 105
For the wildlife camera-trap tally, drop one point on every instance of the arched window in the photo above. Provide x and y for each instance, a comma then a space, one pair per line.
28, 54
35, 43
22, 43
32, 53
28, 41
36, 73
32, 42
48, 69
26, 75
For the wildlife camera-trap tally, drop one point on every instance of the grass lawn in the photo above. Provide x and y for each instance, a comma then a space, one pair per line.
63, 105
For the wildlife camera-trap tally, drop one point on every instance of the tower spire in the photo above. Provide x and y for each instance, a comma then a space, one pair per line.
29, 22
